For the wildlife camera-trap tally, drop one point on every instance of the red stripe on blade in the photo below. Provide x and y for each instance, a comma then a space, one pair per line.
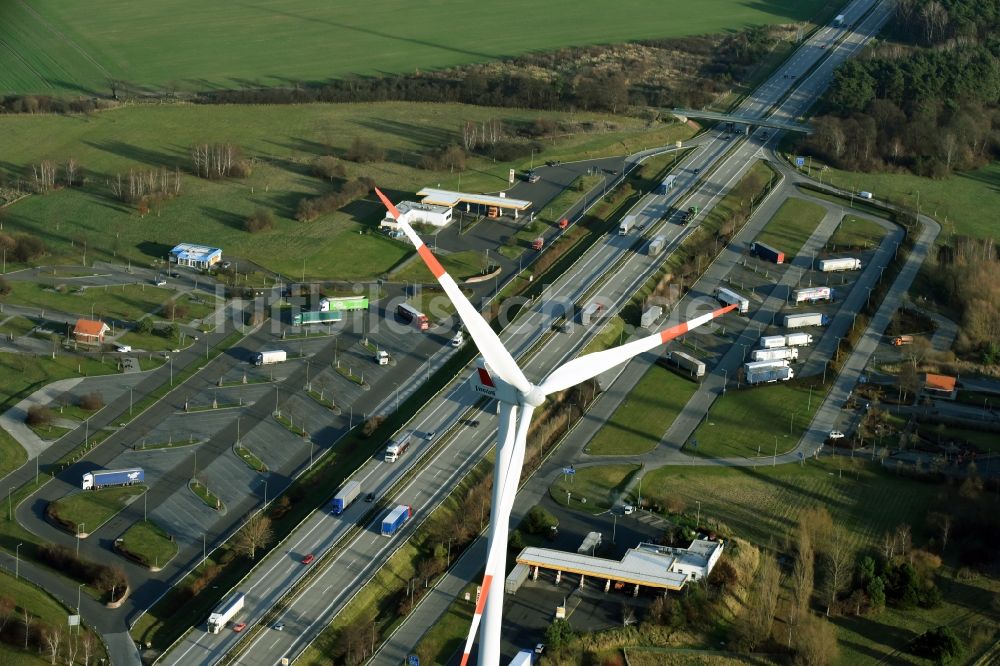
669, 334
482, 596
465, 658
431, 261
388, 204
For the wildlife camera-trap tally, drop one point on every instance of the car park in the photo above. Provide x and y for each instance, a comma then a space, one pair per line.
308, 559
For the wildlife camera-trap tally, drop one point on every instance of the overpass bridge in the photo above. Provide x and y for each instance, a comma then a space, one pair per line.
754, 121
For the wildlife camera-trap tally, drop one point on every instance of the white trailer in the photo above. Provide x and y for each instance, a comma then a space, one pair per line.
812, 294
687, 362
842, 264
772, 341
775, 354
651, 316
730, 297
798, 339
656, 245
761, 372
590, 313
516, 578
269, 357
838, 20
805, 319
626, 225
226, 611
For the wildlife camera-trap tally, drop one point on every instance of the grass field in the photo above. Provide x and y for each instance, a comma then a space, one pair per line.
126, 302
599, 486
62, 47
96, 507
855, 233
149, 543
639, 423
770, 418
16, 326
460, 265
283, 141
963, 203
792, 226
45, 610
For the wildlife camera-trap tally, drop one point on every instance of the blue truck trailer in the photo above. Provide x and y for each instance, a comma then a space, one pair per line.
347, 494
392, 522
113, 477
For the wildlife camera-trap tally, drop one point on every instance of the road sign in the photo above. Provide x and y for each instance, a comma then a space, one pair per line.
413, 660
73, 620
510, 177
800, 162
569, 470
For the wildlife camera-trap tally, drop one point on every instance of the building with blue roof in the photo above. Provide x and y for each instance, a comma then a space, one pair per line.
195, 256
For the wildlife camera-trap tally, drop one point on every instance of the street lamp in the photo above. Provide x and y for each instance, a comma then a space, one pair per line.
396, 389
17, 561
129, 387
79, 589
79, 529
697, 521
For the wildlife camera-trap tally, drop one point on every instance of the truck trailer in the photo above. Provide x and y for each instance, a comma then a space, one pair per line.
523, 658
686, 362
225, 612
113, 477
411, 315
316, 317
813, 294
651, 316
767, 252
397, 447
775, 354
772, 341
626, 225
515, 579
269, 357
666, 185
591, 312
346, 496
798, 339
395, 519
806, 319
762, 372
842, 264
343, 303
730, 297
656, 245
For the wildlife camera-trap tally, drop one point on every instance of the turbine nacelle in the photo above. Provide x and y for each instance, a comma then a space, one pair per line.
489, 384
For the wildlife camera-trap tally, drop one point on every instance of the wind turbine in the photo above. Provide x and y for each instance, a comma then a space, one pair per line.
500, 377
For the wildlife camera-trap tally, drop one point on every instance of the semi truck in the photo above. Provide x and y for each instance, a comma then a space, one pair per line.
626, 225
689, 214
730, 297
382, 357
767, 252
392, 522
411, 315
806, 319
798, 339
343, 303
666, 185
591, 312
762, 372
656, 245
346, 496
112, 477
813, 294
269, 357
397, 447
842, 264
686, 362
775, 354
316, 317
225, 612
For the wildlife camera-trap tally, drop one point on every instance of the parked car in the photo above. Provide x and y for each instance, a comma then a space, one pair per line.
239, 626
225, 265
532, 177
629, 509
308, 559
124, 349
836, 434
160, 282
540, 648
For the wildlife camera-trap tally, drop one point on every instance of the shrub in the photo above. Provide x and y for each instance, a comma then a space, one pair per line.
144, 326
260, 220
371, 425
539, 521
91, 401
940, 645
39, 415
364, 150
4, 287
28, 248
329, 168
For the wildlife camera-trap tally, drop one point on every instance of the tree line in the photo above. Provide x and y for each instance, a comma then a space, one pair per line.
928, 102
22, 630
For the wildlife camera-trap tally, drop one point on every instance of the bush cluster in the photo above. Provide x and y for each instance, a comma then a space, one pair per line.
310, 209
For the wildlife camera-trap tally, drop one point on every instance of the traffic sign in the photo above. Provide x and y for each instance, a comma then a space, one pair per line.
800, 162
569, 470
413, 660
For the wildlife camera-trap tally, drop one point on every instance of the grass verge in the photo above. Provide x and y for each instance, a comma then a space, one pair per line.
251, 460
855, 233
205, 495
592, 489
147, 543
92, 508
792, 225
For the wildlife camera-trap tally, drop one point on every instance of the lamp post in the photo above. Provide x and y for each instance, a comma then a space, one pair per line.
79, 529
396, 389
17, 561
129, 398
697, 521
774, 460
79, 589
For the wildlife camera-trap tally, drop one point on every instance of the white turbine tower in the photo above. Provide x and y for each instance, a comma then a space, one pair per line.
502, 378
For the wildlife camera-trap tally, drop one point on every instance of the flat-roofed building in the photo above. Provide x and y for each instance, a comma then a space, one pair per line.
195, 256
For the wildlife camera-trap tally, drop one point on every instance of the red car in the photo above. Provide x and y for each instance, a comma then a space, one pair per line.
239, 627
308, 559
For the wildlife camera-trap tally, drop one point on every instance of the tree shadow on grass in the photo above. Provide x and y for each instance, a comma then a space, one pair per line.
146, 156
224, 216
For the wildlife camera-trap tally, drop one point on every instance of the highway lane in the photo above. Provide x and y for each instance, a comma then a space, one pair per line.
596, 262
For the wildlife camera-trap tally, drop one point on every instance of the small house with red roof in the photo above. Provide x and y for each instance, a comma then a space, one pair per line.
90, 332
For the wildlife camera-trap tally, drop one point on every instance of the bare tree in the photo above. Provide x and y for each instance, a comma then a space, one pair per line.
71, 171
72, 648
7, 608
762, 601
111, 580
816, 642
256, 533
52, 636
88, 648
836, 567
803, 579
27, 626
628, 615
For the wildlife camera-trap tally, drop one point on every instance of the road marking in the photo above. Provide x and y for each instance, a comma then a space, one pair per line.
275, 642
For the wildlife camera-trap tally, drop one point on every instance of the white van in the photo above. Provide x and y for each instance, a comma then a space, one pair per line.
865, 195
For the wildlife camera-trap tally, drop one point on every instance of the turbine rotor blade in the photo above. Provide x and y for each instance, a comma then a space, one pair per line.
585, 367
489, 344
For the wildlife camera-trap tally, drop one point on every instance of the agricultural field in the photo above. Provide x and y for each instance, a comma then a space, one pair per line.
282, 142
792, 225
769, 419
636, 427
58, 47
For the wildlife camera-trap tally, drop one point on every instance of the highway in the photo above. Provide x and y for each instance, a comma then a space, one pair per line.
624, 271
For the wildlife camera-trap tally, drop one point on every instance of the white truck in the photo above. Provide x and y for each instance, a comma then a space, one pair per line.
842, 264
812, 294
730, 297
590, 313
382, 357
806, 319
656, 245
838, 20
686, 362
397, 447
225, 612
775, 354
762, 372
269, 357
626, 225
798, 339
772, 341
